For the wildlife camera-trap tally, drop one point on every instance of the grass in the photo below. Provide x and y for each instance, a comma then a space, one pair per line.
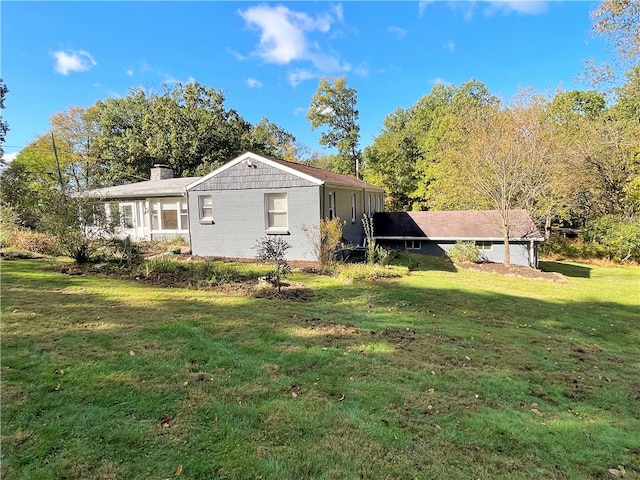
443, 373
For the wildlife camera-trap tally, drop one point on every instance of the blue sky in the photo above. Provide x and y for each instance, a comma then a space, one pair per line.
269, 56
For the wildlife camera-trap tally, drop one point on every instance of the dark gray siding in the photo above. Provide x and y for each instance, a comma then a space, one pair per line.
519, 251
261, 175
239, 220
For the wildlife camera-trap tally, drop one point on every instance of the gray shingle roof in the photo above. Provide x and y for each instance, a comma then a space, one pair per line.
150, 188
177, 186
326, 176
453, 225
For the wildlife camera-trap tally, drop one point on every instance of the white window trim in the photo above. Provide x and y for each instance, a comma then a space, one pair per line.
275, 230
332, 205
176, 206
205, 218
354, 207
121, 208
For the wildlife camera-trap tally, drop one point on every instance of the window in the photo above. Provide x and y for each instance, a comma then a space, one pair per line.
332, 205
277, 216
484, 246
378, 203
412, 244
169, 214
205, 205
155, 216
184, 216
354, 213
126, 215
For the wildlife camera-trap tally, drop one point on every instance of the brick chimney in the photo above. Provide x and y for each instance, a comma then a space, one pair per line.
161, 172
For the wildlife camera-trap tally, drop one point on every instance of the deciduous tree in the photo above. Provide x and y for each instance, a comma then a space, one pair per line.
334, 106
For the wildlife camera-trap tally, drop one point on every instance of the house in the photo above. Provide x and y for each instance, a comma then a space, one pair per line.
251, 196
435, 232
152, 210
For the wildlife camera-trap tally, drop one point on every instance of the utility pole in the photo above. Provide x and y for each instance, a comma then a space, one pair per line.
55, 152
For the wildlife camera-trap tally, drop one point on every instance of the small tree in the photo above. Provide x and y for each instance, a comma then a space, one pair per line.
272, 249
81, 225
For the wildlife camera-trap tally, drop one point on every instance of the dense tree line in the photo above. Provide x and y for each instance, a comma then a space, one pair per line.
572, 157
118, 140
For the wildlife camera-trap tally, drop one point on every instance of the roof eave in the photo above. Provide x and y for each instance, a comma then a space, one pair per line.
452, 239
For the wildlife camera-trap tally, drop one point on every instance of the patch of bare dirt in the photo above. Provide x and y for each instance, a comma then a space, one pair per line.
514, 271
288, 292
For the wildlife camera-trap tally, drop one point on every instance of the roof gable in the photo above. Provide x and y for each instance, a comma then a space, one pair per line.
454, 225
314, 175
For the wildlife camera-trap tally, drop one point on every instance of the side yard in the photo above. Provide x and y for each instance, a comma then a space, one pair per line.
446, 372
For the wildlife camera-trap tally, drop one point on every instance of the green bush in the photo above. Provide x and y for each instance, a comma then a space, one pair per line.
562, 247
201, 273
618, 236
465, 252
273, 250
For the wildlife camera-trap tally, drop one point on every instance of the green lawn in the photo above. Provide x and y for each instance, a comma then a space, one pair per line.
442, 374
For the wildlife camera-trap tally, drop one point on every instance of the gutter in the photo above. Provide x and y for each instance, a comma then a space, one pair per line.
464, 239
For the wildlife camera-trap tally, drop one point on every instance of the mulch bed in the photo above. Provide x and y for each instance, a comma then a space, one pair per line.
514, 271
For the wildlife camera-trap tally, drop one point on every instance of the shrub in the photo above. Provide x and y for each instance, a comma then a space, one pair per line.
273, 249
465, 252
9, 222
619, 237
325, 239
30, 241
361, 271
200, 273
80, 225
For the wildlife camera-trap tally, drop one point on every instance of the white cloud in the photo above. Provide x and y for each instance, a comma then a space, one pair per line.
253, 83
300, 75
440, 81
450, 46
7, 158
130, 73
73, 61
532, 7
397, 31
282, 37
491, 7
285, 38
338, 11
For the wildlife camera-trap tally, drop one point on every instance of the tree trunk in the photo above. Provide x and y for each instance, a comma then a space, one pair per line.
507, 251
547, 227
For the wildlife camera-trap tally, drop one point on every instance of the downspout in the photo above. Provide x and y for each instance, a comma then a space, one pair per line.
185, 194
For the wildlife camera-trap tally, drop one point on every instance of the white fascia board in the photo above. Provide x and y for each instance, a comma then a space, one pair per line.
256, 158
455, 239
227, 165
289, 170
